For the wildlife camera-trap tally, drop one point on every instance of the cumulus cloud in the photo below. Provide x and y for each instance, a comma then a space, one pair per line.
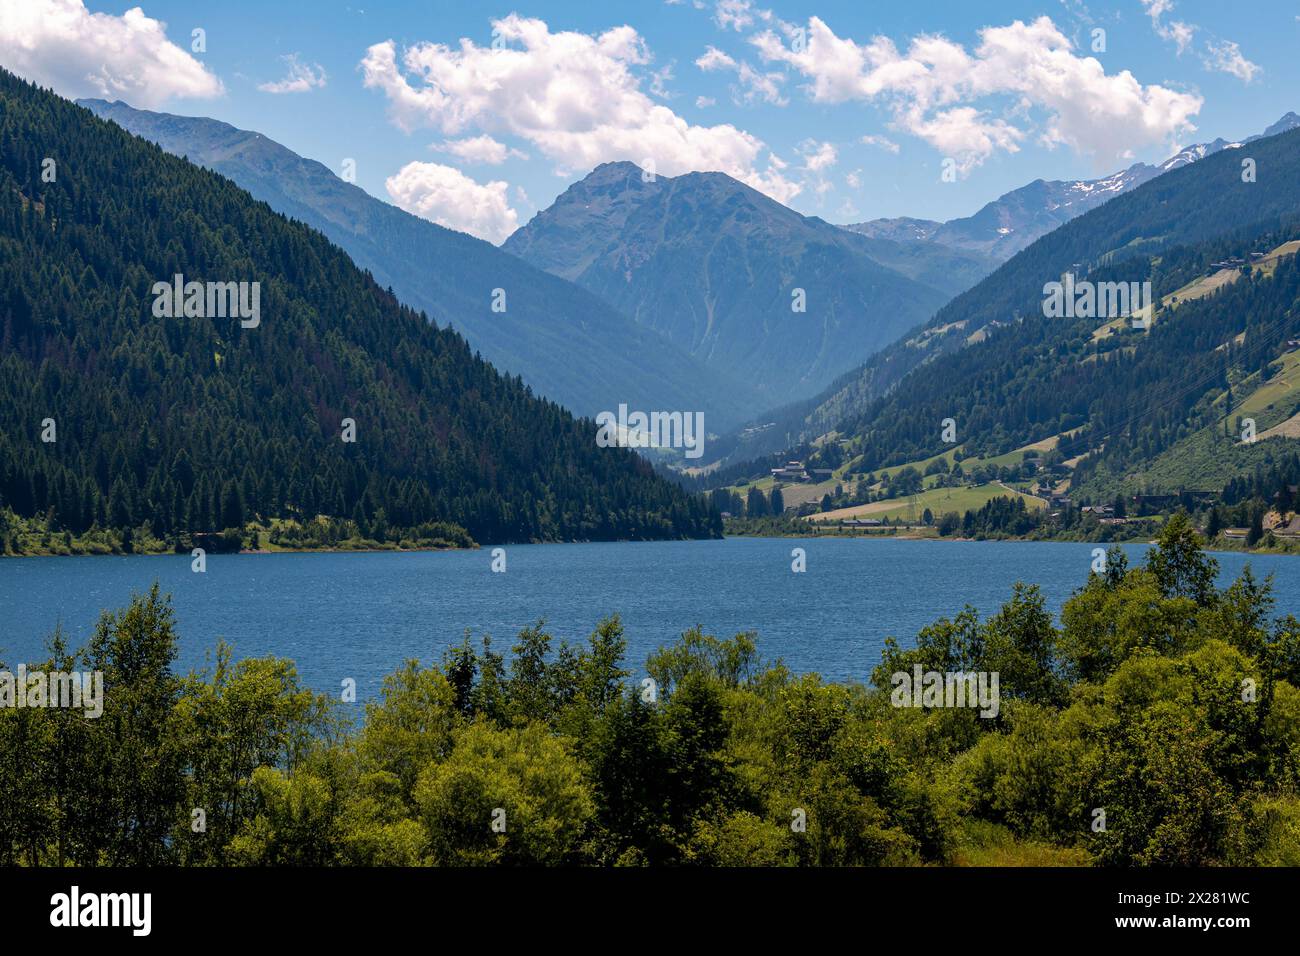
939, 91
1225, 57
302, 77
445, 195
479, 149
59, 43
574, 97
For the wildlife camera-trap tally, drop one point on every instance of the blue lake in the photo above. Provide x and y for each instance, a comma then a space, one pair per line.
361, 615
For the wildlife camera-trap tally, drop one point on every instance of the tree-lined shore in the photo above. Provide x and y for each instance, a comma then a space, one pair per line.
1159, 723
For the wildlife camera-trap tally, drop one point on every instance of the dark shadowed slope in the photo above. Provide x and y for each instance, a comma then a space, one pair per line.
189, 422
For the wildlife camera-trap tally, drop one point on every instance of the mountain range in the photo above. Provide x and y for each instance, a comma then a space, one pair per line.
901, 319
1011, 222
747, 286
565, 342
1127, 408
689, 327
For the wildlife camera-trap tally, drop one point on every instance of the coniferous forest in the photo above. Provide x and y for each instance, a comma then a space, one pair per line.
198, 424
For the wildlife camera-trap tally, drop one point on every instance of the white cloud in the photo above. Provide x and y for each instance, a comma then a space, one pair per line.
939, 91
751, 86
817, 157
1181, 34
1176, 30
738, 14
1157, 8
1219, 56
573, 96
714, 59
479, 149
301, 78
445, 195
659, 82
758, 87
853, 179
704, 102
1225, 57
965, 134
59, 43
884, 142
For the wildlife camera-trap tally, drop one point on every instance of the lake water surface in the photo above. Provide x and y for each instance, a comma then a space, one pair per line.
361, 615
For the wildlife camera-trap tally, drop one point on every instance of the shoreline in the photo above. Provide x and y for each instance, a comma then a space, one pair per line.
187, 554
1216, 548
359, 550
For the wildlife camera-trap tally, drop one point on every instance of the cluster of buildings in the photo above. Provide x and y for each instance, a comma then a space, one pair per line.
795, 471
1236, 262
1136, 505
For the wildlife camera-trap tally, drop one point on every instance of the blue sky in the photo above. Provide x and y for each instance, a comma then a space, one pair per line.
846, 110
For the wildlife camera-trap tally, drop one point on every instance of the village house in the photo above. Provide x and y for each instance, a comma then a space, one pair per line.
795, 471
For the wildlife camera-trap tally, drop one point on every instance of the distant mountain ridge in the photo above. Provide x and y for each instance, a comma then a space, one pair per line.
566, 343
1014, 220
719, 269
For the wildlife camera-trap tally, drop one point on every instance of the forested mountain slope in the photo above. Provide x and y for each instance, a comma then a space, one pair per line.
1188, 403
195, 422
996, 333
